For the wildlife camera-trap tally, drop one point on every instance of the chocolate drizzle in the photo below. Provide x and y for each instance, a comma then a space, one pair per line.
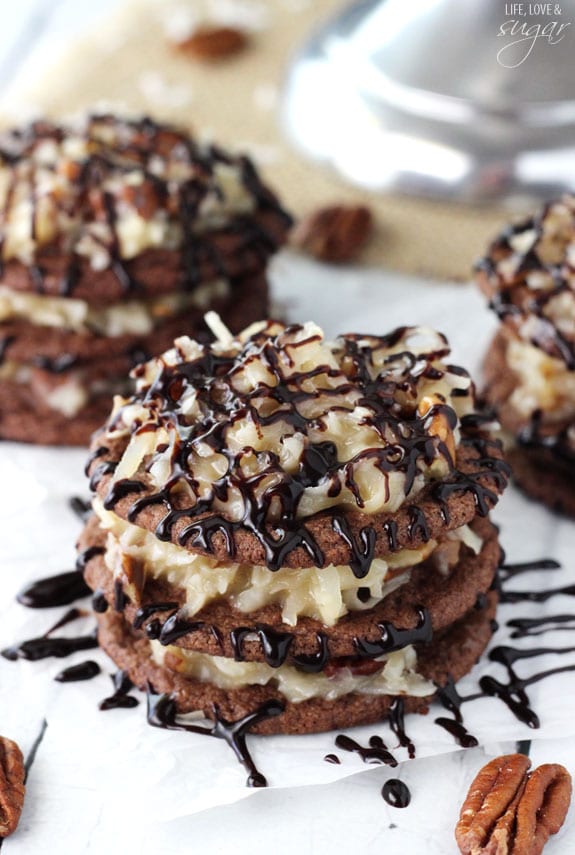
45, 646
375, 752
121, 697
393, 638
81, 507
59, 590
162, 713
83, 671
275, 645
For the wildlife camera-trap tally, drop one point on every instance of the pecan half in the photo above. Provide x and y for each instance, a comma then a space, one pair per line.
511, 812
213, 43
335, 233
12, 775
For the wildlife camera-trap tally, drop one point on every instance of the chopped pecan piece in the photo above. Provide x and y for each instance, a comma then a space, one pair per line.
213, 43
12, 775
511, 812
335, 233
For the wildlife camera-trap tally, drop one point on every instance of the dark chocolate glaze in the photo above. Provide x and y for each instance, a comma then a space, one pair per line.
332, 758
393, 638
86, 555
121, 697
59, 590
81, 507
83, 671
162, 713
42, 648
396, 793
275, 645
121, 599
99, 601
144, 612
396, 719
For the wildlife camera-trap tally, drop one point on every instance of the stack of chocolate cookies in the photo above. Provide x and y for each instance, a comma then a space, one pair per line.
529, 277
116, 236
289, 521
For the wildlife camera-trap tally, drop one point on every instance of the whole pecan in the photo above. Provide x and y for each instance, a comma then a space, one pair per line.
511, 812
12, 775
213, 43
335, 233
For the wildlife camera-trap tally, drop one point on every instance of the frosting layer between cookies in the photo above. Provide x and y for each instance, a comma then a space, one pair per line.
134, 555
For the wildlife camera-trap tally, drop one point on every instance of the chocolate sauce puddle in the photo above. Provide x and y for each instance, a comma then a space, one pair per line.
162, 713
396, 793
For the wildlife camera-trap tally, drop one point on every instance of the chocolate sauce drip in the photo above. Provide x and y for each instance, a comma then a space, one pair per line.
507, 571
559, 445
363, 594
361, 553
313, 663
102, 469
120, 699
81, 507
176, 626
393, 638
529, 627
535, 596
121, 599
275, 645
396, 793
120, 489
59, 590
375, 752
493, 469
83, 671
63, 362
332, 758
417, 524
42, 648
5, 343
86, 555
396, 719
144, 612
45, 646
480, 602
450, 698
162, 713
513, 692
99, 601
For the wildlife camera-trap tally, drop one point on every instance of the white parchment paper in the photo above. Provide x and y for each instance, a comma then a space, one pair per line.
103, 762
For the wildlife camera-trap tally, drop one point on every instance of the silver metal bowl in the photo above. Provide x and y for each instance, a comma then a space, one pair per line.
468, 100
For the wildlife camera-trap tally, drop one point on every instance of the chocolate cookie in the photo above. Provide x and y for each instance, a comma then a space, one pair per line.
280, 518
450, 656
428, 602
116, 236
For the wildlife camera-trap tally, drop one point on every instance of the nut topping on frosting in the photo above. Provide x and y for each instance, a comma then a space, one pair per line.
107, 189
264, 431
